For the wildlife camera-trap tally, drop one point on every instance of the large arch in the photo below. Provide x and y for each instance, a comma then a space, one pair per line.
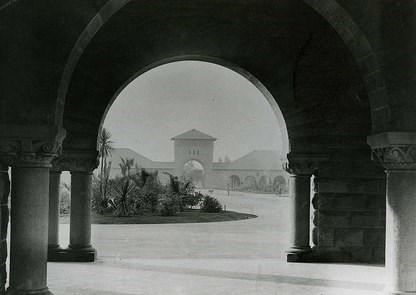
197, 174
364, 55
330, 10
254, 50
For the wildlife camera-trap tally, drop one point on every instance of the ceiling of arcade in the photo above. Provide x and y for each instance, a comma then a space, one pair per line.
318, 88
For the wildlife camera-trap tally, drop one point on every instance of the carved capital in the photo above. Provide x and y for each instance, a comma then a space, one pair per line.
77, 161
30, 149
303, 164
396, 157
394, 150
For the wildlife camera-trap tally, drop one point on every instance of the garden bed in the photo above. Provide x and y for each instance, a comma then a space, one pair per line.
187, 216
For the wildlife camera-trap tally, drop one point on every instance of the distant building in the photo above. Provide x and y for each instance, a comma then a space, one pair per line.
259, 170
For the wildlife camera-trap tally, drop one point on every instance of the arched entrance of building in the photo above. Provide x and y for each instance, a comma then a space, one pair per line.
279, 184
194, 170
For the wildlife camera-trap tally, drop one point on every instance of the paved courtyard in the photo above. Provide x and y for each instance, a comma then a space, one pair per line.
237, 257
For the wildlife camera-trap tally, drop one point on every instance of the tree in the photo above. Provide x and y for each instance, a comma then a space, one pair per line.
105, 148
126, 165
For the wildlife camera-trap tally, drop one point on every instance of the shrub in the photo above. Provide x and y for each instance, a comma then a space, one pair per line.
150, 192
191, 200
169, 204
100, 200
211, 205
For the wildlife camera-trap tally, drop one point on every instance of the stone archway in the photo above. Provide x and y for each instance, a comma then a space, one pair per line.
265, 183
193, 169
82, 121
330, 10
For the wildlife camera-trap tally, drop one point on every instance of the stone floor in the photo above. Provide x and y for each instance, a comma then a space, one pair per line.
238, 257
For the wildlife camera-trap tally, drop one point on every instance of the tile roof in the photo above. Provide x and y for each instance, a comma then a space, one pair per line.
193, 134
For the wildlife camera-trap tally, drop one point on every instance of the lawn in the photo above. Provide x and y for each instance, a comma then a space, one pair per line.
188, 216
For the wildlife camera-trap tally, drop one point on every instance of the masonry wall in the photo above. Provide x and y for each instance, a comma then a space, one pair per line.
349, 212
4, 219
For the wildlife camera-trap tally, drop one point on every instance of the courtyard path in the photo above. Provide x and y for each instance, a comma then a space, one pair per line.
237, 257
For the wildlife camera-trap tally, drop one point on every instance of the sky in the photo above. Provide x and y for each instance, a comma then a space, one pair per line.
173, 98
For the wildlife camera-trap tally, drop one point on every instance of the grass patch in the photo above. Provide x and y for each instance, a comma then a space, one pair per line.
188, 216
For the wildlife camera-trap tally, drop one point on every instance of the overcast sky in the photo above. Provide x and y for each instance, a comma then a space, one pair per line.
176, 97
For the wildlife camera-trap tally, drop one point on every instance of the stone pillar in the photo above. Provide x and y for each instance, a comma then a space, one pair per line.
80, 226
396, 151
81, 164
301, 167
299, 190
30, 159
54, 249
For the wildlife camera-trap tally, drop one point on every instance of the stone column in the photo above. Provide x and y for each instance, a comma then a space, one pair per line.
81, 164
301, 167
80, 226
30, 159
54, 249
396, 151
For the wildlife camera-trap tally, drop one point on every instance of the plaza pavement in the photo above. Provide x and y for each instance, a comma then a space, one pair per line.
236, 257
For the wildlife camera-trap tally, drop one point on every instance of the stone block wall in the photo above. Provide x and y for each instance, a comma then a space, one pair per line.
349, 214
4, 219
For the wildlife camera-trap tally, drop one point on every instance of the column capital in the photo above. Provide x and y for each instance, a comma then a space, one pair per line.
303, 164
31, 146
394, 150
77, 161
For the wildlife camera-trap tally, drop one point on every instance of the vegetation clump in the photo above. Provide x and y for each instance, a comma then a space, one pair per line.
142, 193
211, 205
139, 192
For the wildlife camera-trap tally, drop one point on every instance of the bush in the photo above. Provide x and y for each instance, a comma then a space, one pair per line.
169, 204
100, 203
150, 193
211, 205
189, 201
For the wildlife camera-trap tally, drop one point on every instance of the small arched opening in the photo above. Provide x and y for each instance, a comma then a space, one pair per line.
279, 185
234, 182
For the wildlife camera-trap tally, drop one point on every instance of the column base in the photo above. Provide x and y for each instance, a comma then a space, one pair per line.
87, 254
300, 254
44, 291
54, 252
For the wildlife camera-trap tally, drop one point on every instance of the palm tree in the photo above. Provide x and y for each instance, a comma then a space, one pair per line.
125, 166
130, 163
105, 148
